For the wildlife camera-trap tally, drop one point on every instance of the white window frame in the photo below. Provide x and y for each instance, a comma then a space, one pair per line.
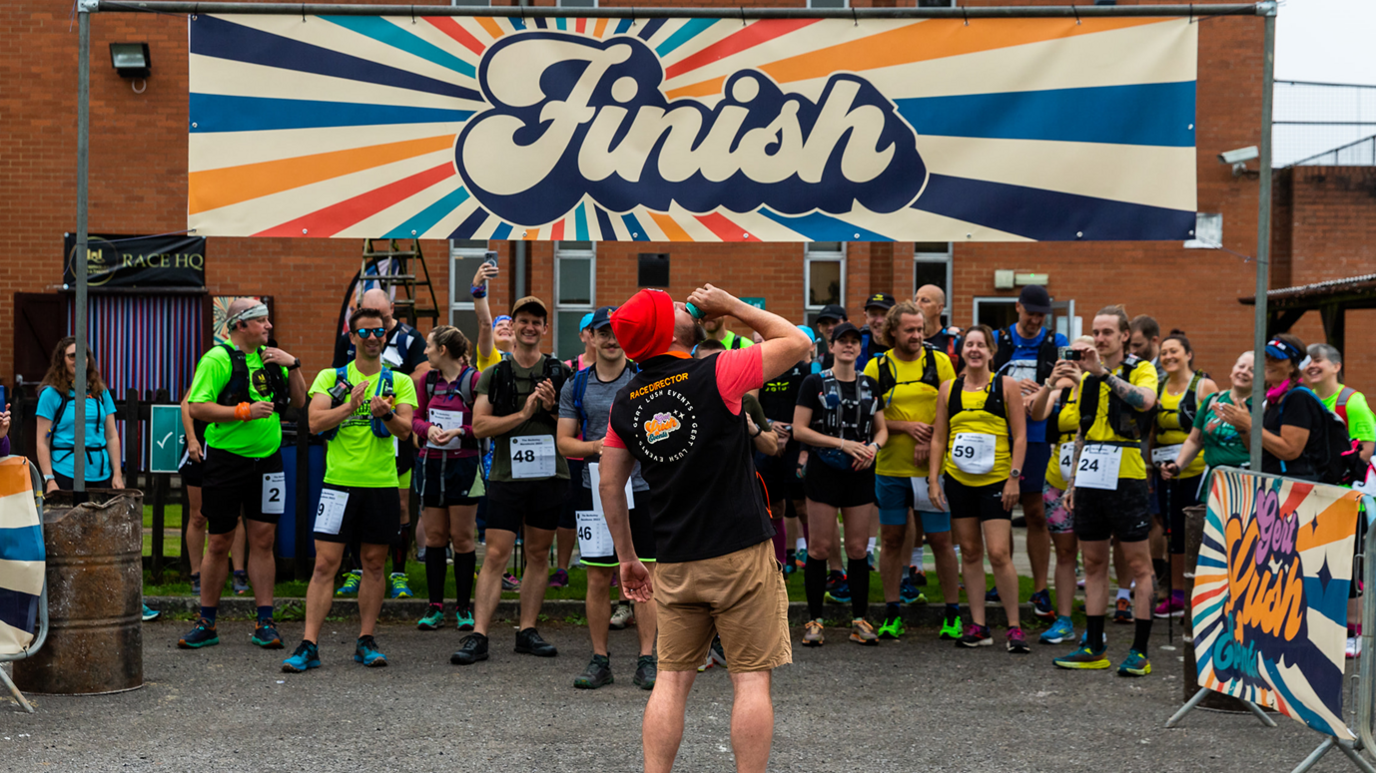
560, 4
457, 289
560, 253
472, 3
1063, 319
844, 4
948, 285
810, 256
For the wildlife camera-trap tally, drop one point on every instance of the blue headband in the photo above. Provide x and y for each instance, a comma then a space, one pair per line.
499, 320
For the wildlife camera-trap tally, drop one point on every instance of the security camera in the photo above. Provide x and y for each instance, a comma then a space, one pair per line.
1239, 156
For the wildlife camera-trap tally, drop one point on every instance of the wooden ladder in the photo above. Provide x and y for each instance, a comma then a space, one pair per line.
403, 269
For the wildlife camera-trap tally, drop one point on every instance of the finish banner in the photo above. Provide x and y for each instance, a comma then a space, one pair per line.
781, 130
1269, 610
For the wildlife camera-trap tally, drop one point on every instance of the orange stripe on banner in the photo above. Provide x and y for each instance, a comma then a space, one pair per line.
493, 28
672, 231
918, 42
331, 220
14, 477
215, 188
599, 27
556, 232
1337, 522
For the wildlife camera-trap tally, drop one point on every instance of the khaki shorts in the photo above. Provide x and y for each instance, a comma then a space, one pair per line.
740, 596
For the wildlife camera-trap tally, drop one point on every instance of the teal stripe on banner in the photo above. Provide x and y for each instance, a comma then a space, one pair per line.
384, 31
23, 543
690, 29
427, 218
219, 113
633, 226
821, 228
1160, 114
503, 231
560, 24
580, 223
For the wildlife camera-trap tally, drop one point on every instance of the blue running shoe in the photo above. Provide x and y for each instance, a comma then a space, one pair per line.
366, 652
351, 583
1136, 664
265, 635
991, 596
869, 559
464, 619
203, 635
1062, 630
839, 593
150, 614
433, 619
1083, 658
1041, 605
907, 592
306, 656
401, 589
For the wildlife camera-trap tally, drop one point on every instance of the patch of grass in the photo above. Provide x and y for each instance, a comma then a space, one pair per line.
171, 515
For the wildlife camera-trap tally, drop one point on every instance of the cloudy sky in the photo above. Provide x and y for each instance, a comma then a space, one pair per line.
1326, 40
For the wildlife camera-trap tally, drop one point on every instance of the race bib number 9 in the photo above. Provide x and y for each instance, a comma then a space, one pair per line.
274, 493
329, 516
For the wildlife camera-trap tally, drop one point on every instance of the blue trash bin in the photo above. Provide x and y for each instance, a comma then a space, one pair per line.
286, 525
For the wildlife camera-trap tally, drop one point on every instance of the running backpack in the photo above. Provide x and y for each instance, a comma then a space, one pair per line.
503, 389
888, 372
1189, 402
1047, 353
379, 427
993, 404
237, 390
64, 400
1123, 420
580, 388
1340, 460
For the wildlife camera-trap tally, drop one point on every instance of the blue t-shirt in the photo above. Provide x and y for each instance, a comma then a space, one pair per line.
1024, 365
64, 432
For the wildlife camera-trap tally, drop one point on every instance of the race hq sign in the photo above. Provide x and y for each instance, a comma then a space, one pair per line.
692, 129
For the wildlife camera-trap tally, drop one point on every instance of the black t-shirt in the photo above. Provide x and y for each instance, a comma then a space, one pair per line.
949, 344
810, 396
403, 353
1296, 409
777, 397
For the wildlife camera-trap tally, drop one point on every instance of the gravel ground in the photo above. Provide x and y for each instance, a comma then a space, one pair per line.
918, 704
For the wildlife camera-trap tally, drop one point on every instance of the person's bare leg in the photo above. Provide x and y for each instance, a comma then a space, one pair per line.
215, 568
320, 593
998, 543
373, 586
567, 538
891, 559
1066, 549
489, 590
919, 539
262, 566
1121, 571
195, 529
1138, 555
967, 533
1096, 576
238, 551
599, 608
752, 720
537, 567
947, 567
1038, 539
646, 618
661, 731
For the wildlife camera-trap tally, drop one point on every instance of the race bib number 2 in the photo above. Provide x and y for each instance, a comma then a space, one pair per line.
274, 493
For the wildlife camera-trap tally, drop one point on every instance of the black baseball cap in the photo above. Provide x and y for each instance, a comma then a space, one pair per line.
880, 300
602, 317
842, 329
1035, 299
832, 311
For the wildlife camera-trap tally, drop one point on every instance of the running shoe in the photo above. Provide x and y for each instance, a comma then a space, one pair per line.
800, 559
892, 628
560, 579
715, 656
789, 569
976, 636
1122, 612
907, 592
917, 577
433, 619
529, 642
622, 616
646, 670
510, 583
1354, 647
1136, 664
306, 656
366, 652
401, 589
839, 593
1017, 642
991, 596
812, 633
869, 559
351, 582
950, 629
472, 649
196, 584
240, 583
1084, 640
1084, 658
203, 635
597, 674
861, 632
464, 619
1041, 605
1171, 607
150, 614
1060, 631
835, 578
265, 635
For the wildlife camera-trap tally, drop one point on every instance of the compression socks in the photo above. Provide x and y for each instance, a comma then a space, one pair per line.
208, 613
1094, 632
1141, 639
858, 569
265, 614
918, 559
464, 564
815, 584
435, 568
399, 545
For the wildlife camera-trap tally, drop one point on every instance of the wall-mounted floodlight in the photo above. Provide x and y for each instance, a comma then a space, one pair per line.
131, 60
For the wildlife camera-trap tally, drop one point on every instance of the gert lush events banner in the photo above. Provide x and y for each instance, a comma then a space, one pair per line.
692, 129
1270, 597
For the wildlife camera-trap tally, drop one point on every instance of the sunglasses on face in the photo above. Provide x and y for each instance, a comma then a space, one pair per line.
371, 332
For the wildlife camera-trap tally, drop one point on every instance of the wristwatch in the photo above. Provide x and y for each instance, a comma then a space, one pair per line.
296, 363
1015, 473
47, 478
388, 416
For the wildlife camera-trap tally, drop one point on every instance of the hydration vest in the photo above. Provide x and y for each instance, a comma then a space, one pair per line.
580, 388
237, 390
993, 404
832, 409
888, 372
502, 394
64, 400
1046, 352
1189, 402
378, 426
1123, 420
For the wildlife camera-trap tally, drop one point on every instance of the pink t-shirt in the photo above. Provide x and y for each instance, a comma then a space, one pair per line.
738, 372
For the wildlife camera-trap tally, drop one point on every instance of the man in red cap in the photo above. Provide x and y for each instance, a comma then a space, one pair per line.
681, 419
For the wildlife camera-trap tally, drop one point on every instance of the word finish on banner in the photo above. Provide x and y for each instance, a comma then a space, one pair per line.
692, 129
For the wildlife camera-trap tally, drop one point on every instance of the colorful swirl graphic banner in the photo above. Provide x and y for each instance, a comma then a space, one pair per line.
1269, 610
780, 130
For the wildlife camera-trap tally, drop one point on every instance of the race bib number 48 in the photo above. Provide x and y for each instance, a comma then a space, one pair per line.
532, 457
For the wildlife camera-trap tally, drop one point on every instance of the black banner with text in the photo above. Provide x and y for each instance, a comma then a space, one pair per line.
137, 261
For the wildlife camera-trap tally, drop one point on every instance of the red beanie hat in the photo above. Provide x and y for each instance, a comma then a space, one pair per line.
644, 325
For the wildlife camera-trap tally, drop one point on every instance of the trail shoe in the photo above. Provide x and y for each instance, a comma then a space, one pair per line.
1017, 642
1122, 612
510, 583
433, 619
597, 674
401, 589
1042, 607
646, 670
196, 584
1353, 649
907, 592
950, 629
240, 583
366, 652
528, 642
622, 616
560, 579
150, 614
471, 650
351, 583
892, 628
812, 634
991, 596
464, 619
917, 577
306, 656
869, 559
1084, 658
265, 635
1136, 664
839, 593
861, 632
1062, 630
715, 656
1171, 607
203, 635
976, 636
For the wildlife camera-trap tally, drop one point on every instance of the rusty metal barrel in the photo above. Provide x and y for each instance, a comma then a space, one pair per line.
1194, 538
95, 596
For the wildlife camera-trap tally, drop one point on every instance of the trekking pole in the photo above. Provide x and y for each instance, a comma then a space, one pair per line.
1170, 569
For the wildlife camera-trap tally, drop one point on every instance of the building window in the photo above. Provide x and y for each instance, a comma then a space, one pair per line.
575, 289
828, 3
465, 255
577, 3
932, 266
471, 3
936, 3
824, 274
